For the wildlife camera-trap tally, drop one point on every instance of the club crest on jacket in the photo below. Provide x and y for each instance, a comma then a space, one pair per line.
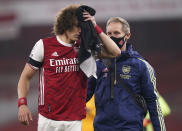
126, 69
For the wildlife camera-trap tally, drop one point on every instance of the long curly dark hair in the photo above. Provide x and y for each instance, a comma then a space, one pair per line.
65, 20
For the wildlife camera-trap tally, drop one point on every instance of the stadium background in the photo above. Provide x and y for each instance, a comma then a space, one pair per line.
156, 27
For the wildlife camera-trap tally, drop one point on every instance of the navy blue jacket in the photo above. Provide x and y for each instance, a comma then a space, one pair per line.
122, 113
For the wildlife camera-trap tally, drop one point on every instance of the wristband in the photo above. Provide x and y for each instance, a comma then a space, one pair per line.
98, 29
22, 101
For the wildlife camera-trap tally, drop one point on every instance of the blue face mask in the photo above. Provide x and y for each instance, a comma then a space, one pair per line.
119, 41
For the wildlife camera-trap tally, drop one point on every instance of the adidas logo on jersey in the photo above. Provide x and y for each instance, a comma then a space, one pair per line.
55, 54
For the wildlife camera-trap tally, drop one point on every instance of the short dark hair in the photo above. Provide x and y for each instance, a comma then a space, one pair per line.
65, 20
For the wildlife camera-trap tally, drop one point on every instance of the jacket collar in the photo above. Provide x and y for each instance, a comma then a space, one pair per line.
129, 53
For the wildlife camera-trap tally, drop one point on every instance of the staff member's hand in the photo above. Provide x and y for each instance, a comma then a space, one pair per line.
89, 17
24, 115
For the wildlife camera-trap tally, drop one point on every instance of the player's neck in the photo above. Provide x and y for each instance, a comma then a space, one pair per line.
65, 39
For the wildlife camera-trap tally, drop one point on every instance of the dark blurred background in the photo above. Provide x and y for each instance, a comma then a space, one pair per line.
156, 27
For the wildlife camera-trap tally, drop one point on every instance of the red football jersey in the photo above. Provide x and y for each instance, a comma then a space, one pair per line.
63, 86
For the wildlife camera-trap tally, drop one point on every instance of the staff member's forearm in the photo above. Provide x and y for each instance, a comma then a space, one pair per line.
24, 82
111, 49
110, 45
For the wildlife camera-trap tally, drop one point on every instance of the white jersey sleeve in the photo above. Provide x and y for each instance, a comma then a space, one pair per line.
37, 52
37, 55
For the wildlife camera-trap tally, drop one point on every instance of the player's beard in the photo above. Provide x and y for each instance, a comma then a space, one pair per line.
70, 39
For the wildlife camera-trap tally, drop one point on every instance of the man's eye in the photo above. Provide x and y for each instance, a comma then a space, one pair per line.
116, 33
108, 33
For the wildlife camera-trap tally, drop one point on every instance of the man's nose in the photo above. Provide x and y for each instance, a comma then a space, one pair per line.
79, 29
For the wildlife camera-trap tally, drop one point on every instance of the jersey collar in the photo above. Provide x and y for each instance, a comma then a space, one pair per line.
62, 42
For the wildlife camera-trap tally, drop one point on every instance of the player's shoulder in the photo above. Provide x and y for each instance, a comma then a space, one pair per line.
49, 39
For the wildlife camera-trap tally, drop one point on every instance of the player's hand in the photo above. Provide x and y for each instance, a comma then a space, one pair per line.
24, 115
146, 122
88, 110
89, 17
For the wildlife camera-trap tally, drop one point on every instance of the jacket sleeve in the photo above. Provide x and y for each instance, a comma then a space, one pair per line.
91, 88
150, 93
166, 110
92, 81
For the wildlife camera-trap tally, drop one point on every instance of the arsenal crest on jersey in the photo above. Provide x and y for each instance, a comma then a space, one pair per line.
126, 69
